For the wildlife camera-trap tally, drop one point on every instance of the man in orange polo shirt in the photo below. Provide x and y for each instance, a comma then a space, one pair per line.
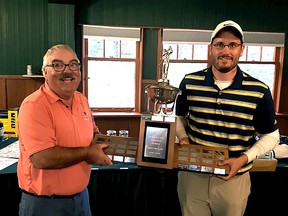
56, 129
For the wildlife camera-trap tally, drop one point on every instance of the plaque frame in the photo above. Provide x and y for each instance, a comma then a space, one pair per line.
165, 137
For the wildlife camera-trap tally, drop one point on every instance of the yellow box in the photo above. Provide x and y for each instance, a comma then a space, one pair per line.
10, 124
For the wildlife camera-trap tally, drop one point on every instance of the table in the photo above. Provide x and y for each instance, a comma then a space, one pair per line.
134, 192
121, 189
131, 190
269, 191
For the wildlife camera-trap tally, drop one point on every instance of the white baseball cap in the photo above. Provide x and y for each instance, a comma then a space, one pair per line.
225, 24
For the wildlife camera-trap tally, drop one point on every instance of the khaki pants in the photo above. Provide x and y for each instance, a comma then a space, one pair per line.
205, 195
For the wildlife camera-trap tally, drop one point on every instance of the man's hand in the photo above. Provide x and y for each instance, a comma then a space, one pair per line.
184, 141
96, 155
234, 164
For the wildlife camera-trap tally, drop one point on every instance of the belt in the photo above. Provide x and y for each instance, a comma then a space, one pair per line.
51, 196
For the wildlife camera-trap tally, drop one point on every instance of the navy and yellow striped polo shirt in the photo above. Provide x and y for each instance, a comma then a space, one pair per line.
226, 118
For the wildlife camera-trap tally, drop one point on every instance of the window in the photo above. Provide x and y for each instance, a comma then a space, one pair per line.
112, 70
259, 62
186, 58
260, 59
111, 62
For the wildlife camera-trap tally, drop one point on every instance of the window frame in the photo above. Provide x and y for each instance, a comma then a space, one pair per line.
138, 76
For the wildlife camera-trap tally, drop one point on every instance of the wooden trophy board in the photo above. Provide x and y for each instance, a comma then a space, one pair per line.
120, 149
200, 158
156, 144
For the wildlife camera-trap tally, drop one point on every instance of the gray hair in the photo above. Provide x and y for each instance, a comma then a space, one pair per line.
52, 50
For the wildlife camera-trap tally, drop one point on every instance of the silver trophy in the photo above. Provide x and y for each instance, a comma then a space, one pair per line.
162, 94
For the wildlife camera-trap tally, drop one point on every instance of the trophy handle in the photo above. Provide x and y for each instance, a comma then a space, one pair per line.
167, 111
157, 107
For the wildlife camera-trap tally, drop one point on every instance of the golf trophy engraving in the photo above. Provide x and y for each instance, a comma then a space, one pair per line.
162, 94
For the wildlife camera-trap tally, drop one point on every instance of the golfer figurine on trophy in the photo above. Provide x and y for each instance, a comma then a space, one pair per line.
162, 94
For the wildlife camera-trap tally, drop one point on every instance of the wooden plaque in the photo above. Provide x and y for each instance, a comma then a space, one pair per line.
156, 144
200, 158
156, 148
120, 149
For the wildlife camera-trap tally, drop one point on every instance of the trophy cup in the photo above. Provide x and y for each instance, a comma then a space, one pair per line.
162, 94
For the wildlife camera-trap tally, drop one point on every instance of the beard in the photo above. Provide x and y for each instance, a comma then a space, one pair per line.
224, 68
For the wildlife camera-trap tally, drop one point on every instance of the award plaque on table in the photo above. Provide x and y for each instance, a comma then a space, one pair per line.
156, 144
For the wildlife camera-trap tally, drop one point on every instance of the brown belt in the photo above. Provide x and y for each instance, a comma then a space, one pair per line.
51, 196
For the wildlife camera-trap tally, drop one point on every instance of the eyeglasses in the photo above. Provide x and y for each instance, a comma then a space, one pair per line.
221, 46
60, 66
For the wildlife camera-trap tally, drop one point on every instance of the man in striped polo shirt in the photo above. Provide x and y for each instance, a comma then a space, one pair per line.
222, 106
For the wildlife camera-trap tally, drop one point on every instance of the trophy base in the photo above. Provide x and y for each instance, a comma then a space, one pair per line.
155, 117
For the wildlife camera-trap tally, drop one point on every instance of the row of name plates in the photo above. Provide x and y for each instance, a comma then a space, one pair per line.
186, 157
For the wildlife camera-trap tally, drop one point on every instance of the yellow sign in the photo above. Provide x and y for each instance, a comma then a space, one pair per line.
10, 124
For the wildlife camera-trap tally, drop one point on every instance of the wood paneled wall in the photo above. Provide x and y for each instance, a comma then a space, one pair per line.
14, 88
282, 121
122, 121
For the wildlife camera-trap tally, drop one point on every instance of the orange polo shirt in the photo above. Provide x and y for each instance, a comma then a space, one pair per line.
45, 122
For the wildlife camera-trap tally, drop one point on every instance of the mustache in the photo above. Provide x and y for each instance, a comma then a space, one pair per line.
67, 76
225, 56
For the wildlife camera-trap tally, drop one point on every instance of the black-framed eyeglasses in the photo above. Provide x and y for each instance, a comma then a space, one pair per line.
60, 66
221, 46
